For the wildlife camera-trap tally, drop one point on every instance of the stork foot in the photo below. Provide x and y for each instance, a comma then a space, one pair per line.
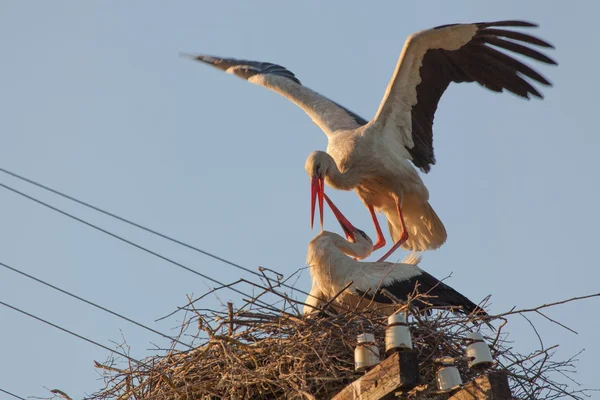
380, 238
379, 244
400, 242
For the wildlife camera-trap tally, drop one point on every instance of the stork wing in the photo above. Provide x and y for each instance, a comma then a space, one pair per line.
403, 280
327, 114
432, 59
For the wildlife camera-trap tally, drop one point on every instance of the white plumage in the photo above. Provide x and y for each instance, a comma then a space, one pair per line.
332, 270
377, 159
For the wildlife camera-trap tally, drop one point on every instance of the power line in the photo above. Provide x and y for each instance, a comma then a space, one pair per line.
92, 304
149, 367
133, 244
72, 333
12, 394
149, 230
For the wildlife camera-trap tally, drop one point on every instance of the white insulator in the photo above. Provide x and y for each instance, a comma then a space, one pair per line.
479, 351
397, 334
366, 353
448, 378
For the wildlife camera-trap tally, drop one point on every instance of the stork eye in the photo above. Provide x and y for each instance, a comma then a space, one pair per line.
318, 169
363, 234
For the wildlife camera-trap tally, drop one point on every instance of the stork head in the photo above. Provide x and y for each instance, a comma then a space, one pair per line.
317, 166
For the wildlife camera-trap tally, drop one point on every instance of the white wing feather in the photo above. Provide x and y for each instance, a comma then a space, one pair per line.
327, 114
393, 117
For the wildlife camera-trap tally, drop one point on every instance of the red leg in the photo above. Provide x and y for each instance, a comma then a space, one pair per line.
403, 235
380, 238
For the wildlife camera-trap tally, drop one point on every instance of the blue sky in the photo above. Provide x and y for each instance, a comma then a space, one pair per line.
96, 102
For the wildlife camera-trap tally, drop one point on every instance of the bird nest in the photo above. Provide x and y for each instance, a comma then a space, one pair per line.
266, 349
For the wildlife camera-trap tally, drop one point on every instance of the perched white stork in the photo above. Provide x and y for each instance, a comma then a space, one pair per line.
374, 158
332, 269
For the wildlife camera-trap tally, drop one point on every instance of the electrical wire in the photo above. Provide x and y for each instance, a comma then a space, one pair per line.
133, 244
12, 394
92, 304
72, 333
142, 227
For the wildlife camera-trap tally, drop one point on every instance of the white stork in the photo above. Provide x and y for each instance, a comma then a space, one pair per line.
374, 158
332, 270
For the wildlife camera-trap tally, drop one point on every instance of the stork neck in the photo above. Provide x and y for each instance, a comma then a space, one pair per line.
337, 179
336, 246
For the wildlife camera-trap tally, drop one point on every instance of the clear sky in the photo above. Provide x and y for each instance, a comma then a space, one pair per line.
96, 102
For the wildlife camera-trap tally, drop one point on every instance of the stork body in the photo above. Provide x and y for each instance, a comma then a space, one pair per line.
385, 181
377, 158
332, 270
336, 274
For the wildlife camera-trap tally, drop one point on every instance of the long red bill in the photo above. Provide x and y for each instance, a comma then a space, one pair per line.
321, 194
317, 189
348, 228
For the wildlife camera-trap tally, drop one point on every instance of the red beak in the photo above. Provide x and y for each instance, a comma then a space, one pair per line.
317, 189
348, 228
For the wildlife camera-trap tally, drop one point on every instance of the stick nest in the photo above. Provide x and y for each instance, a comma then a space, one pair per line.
266, 349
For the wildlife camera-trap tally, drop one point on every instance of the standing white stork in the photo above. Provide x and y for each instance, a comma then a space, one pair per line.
332, 270
374, 158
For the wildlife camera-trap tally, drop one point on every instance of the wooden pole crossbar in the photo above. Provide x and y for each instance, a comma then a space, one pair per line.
492, 386
400, 372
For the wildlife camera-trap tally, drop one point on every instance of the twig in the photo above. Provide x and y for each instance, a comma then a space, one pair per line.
61, 394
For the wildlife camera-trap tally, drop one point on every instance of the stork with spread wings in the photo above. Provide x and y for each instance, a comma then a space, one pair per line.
377, 158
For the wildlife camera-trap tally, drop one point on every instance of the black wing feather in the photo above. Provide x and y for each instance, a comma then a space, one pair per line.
474, 62
441, 294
